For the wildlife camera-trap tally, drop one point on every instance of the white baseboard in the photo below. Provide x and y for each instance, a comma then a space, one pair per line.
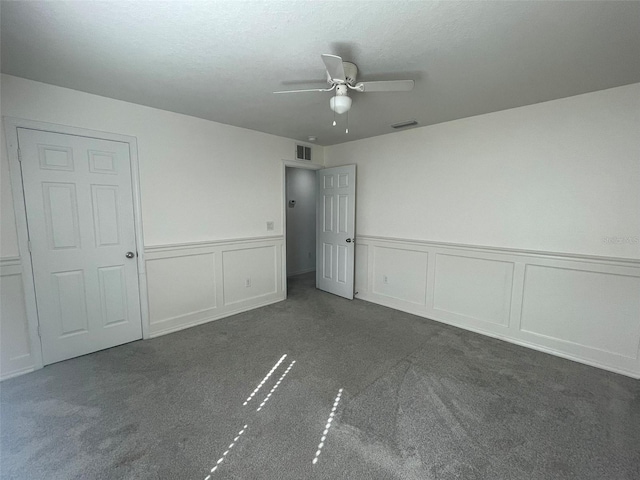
228, 313
16, 373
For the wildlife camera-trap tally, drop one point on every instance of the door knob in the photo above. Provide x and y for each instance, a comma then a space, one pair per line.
349, 240
129, 254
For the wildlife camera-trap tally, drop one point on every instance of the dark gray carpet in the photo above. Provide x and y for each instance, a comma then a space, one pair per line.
421, 400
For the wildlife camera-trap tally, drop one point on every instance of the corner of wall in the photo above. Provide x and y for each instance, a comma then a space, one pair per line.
317, 153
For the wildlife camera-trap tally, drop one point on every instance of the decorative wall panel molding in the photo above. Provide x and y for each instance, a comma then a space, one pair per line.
400, 274
195, 283
583, 308
477, 288
15, 346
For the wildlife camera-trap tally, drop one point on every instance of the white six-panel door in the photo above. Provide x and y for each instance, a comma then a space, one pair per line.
79, 204
335, 216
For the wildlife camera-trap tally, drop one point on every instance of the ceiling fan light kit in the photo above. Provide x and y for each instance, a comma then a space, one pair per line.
342, 76
341, 103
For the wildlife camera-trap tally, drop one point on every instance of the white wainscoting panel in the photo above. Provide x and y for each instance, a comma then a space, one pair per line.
191, 289
249, 273
15, 345
582, 308
194, 283
362, 268
477, 288
400, 274
599, 310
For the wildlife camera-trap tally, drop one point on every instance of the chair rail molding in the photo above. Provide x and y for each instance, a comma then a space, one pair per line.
580, 307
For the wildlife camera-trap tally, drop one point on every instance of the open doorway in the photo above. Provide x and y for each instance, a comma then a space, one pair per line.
300, 221
319, 225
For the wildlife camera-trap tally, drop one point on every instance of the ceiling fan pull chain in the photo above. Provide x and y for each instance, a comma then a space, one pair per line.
347, 130
334, 118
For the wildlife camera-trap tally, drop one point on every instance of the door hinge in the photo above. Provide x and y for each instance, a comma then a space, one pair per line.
29, 244
19, 155
38, 329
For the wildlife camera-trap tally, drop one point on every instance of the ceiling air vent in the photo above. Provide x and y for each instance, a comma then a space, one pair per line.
303, 152
410, 123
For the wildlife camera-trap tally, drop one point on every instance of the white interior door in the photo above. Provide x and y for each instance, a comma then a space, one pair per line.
335, 245
79, 204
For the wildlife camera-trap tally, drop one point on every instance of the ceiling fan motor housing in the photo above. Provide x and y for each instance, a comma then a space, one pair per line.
341, 90
350, 73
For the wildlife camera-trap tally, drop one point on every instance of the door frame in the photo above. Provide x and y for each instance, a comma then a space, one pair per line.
11, 126
283, 201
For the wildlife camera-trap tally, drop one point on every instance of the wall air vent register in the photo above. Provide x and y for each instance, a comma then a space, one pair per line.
303, 152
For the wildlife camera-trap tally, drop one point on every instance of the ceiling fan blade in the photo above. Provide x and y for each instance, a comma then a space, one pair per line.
308, 90
335, 69
386, 86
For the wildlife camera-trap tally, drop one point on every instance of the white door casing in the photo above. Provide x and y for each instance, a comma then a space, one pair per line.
80, 216
335, 216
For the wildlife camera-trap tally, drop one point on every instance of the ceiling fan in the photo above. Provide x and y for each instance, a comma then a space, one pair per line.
342, 77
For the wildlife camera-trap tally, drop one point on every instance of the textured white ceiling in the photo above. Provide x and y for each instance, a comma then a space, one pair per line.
221, 60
